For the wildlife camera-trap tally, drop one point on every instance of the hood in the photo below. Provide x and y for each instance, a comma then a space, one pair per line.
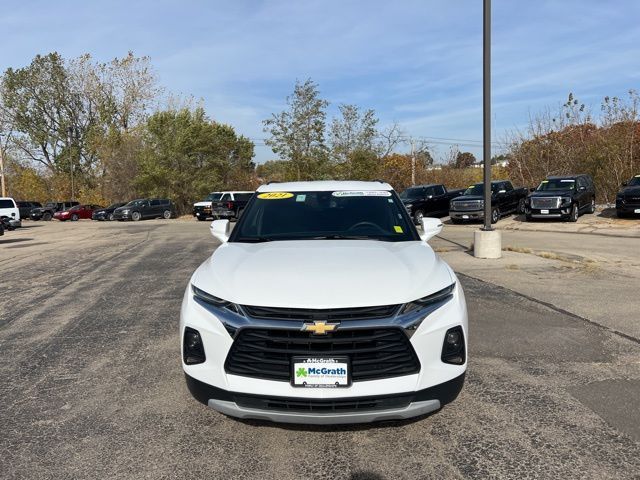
468, 197
555, 193
202, 204
631, 190
322, 273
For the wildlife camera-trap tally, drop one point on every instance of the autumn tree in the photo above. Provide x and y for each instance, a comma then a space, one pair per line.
185, 155
464, 160
297, 134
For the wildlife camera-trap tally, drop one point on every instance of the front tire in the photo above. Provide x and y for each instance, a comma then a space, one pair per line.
521, 206
495, 215
135, 216
46, 217
110, 217
74, 218
418, 216
573, 216
166, 214
592, 207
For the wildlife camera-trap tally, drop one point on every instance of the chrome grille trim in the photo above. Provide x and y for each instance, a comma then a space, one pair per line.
545, 202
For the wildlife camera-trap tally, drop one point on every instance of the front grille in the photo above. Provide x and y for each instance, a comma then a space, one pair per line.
467, 206
374, 353
545, 202
323, 406
632, 199
358, 313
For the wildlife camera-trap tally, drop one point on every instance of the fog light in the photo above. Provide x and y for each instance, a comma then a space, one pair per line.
192, 347
453, 348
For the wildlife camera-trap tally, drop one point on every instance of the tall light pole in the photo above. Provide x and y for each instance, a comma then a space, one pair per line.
486, 110
487, 242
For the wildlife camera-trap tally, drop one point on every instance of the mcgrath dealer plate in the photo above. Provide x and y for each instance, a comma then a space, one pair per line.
323, 372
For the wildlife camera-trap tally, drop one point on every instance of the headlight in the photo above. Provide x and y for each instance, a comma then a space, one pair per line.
124, 212
214, 301
566, 200
430, 300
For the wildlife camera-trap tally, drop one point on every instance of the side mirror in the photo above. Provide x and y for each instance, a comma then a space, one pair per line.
221, 229
430, 227
624, 184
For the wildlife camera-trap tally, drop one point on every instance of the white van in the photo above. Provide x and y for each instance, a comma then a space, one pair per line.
9, 209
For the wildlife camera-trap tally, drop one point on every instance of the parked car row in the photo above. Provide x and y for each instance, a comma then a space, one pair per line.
563, 197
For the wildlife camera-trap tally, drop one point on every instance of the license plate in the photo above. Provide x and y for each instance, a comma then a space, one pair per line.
323, 372
544, 211
466, 217
637, 210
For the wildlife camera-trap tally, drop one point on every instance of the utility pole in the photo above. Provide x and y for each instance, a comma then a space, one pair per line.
70, 131
413, 163
4, 188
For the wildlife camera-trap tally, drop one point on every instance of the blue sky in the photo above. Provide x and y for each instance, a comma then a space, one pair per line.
415, 62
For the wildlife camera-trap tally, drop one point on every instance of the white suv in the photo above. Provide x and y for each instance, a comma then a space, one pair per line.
10, 210
324, 305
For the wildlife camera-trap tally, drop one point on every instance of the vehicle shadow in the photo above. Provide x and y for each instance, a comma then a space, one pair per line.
5, 241
609, 212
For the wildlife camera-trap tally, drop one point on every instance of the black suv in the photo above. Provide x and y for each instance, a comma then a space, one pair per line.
26, 207
145, 208
46, 212
564, 197
628, 198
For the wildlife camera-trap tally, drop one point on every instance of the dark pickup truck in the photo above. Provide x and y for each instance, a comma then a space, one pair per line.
428, 201
628, 198
504, 200
46, 212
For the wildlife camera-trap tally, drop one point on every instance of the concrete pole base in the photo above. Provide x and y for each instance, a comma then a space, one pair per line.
487, 244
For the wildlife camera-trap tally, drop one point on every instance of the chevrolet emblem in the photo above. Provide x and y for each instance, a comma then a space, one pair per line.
319, 328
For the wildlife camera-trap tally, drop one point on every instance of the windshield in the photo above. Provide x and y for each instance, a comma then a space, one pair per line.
556, 184
477, 189
136, 203
340, 215
50, 205
635, 181
411, 194
213, 197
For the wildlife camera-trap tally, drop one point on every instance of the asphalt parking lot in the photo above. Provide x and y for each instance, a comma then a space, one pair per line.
92, 385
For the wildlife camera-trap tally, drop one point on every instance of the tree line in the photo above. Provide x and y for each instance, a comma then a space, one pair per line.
103, 132
98, 132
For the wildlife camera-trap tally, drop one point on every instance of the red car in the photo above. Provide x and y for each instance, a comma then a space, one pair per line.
76, 213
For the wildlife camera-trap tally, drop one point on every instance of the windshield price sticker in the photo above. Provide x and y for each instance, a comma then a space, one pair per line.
365, 193
320, 372
274, 195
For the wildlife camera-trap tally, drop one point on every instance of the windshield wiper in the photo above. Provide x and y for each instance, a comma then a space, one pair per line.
345, 237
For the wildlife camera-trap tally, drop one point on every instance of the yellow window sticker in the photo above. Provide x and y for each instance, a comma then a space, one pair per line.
274, 195
471, 186
398, 229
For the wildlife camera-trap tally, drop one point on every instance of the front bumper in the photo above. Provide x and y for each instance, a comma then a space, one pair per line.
432, 386
627, 208
464, 215
121, 216
564, 212
409, 405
